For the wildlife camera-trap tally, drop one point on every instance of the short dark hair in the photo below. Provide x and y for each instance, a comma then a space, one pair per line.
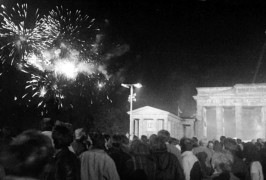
27, 154
186, 144
251, 153
222, 138
116, 138
139, 148
125, 139
47, 124
173, 141
164, 134
62, 136
144, 138
230, 145
98, 141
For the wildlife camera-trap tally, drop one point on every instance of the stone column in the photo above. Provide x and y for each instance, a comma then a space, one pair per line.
165, 123
193, 128
199, 124
263, 120
204, 120
140, 126
219, 121
238, 115
136, 124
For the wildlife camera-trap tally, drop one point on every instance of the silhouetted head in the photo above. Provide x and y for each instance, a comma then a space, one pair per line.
27, 154
98, 141
62, 136
144, 138
186, 144
158, 145
222, 138
139, 148
164, 134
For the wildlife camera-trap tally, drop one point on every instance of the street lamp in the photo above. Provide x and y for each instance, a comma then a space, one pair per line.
131, 86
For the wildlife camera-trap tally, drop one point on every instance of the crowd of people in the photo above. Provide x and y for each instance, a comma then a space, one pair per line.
58, 152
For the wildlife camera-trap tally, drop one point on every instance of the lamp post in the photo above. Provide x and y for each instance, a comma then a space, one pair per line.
131, 124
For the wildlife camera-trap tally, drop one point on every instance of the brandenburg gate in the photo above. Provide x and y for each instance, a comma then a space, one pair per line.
237, 112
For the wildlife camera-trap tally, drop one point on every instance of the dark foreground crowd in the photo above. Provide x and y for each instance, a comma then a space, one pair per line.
57, 152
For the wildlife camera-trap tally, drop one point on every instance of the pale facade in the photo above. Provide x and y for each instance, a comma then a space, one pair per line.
238, 111
148, 120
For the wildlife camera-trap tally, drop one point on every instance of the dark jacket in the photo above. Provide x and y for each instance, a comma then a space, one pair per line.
120, 158
168, 167
67, 166
239, 168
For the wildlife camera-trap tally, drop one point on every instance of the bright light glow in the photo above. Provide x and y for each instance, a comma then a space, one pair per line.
100, 85
125, 85
43, 91
66, 68
138, 85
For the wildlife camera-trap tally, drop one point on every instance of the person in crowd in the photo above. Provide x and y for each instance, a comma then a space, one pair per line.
259, 144
240, 149
211, 146
26, 156
125, 143
217, 146
79, 145
46, 126
222, 165
252, 158
96, 164
118, 155
107, 138
165, 135
253, 141
175, 142
141, 164
204, 156
144, 139
168, 166
89, 141
66, 162
135, 137
222, 139
6, 136
239, 168
195, 141
152, 137
263, 158
191, 165
240, 144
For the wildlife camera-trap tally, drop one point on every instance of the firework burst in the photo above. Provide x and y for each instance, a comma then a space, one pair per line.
61, 74
22, 33
59, 51
76, 29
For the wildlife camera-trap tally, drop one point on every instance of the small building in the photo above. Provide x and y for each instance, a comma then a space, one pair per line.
148, 120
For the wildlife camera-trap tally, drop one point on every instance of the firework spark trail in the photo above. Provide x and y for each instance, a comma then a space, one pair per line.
21, 37
44, 87
73, 28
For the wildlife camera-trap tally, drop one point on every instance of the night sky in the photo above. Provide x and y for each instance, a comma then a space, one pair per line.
172, 47
176, 46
